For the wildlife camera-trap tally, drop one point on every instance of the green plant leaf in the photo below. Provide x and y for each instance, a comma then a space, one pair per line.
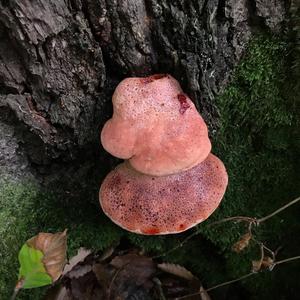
32, 270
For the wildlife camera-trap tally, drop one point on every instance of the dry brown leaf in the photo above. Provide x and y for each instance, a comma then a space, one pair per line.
203, 294
79, 271
265, 263
107, 253
58, 293
134, 276
242, 243
104, 274
79, 257
54, 247
256, 265
85, 288
132, 265
121, 260
176, 270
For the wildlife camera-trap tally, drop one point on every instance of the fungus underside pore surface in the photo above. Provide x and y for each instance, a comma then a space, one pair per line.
257, 140
164, 204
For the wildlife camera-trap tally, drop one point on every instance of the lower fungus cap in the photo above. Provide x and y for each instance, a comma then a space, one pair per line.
163, 205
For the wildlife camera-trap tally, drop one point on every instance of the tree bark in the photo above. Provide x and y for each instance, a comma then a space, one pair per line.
61, 60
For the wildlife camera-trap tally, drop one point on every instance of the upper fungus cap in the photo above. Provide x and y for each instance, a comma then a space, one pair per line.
163, 205
156, 126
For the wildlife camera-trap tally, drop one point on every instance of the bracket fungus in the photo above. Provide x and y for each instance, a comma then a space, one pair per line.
156, 126
165, 204
169, 181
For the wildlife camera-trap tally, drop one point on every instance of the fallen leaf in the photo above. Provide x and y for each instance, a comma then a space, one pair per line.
104, 274
58, 293
82, 265
176, 270
256, 265
32, 271
85, 288
54, 247
193, 283
242, 243
82, 253
128, 276
266, 262
107, 253
174, 287
203, 294
42, 259
140, 267
79, 271
133, 277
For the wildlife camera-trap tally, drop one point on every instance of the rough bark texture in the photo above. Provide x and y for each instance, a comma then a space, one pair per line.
60, 61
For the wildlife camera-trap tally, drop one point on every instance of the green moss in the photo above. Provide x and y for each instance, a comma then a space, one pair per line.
25, 210
258, 127
13, 231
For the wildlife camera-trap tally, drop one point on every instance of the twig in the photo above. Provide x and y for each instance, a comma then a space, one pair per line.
262, 255
255, 220
237, 218
114, 278
160, 290
278, 211
240, 278
264, 247
286, 260
14, 295
18, 286
270, 251
217, 286
177, 246
231, 281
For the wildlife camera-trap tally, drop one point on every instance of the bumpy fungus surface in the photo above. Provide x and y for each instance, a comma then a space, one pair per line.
166, 204
156, 126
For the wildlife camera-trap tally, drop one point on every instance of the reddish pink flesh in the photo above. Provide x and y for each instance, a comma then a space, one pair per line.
146, 80
150, 231
183, 103
151, 78
165, 204
159, 76
181, 227
178, 139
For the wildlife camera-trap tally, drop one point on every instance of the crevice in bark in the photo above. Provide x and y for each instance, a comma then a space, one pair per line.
221, 11
75, 5
257, 23
86, 13
5, 90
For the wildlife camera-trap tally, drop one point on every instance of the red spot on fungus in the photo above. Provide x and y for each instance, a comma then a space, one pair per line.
181, 227
150, 207
116, 180
174, 144
159, 76
147, 80
183, 103
151, 78
150, 231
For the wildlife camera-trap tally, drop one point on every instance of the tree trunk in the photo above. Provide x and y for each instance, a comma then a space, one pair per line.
61, 60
